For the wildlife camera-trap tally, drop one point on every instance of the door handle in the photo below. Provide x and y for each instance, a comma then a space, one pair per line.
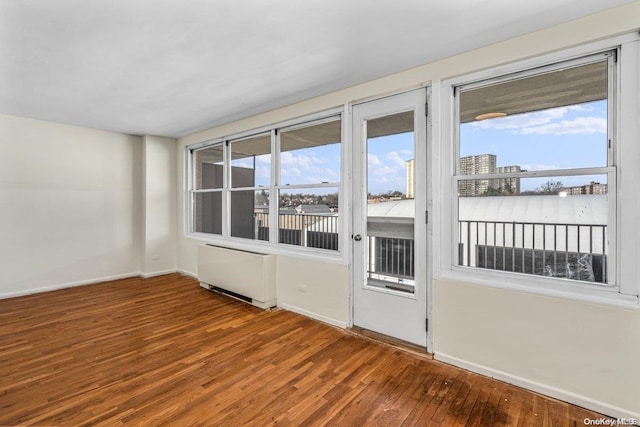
357, 237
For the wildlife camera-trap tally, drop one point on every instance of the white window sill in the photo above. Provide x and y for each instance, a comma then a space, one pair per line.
270, 248
558, 288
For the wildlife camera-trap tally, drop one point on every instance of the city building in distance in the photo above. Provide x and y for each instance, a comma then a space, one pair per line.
486, 164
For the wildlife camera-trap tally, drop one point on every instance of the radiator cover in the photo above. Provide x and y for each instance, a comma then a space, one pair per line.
247, 275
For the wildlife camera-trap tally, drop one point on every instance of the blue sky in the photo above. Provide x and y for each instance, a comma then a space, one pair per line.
387, 162
304, 166
557, 138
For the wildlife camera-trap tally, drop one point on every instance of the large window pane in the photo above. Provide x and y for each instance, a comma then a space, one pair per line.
251, 162
390, 158
555, 120
390, 208
250, 214
311, 155
309, 217
207, 212
554, 226
208, 168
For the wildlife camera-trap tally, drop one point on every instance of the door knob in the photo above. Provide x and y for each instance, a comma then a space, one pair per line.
357, 237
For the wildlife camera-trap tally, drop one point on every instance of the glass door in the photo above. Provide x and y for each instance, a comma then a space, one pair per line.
389, 247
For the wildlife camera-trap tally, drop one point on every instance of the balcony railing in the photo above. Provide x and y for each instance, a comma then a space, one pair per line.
572, 251
307, 230
391, 252
390, 248
391, 263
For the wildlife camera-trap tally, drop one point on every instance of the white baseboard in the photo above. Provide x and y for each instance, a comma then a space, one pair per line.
67, 285
316, 316
187, 273
564, 395
158, 273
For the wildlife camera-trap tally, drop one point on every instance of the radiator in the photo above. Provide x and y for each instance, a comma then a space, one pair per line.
249, 276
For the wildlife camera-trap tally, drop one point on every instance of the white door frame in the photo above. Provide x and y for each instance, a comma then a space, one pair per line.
418, 101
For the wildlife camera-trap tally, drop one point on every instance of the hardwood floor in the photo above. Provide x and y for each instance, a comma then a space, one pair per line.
165, 351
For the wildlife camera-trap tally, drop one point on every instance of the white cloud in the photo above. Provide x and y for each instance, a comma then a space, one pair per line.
291, 172
395, 158
383, 170
242, 164
373, 160
288, 159
539, 166
263, 171
264, 159
577, 126
548, 122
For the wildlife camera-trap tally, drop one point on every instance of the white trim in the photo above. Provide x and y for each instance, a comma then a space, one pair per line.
434, 197
158, 273
300, 120
577, 291
270, 248
604, 170
569, 62
390, 93
311, 186
187, 273
68, 285
628, 149
564, 395
312, 315
542, 60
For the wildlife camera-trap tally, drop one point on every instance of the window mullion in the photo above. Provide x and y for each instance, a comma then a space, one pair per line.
274, 203
226, 195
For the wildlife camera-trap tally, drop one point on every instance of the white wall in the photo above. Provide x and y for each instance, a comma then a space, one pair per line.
69, 207
583, 352
557, 341
159, 252
314, 288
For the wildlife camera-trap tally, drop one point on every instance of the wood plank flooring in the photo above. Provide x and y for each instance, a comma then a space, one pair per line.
164, 351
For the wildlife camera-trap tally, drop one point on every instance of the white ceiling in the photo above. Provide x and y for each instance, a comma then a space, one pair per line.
172, 67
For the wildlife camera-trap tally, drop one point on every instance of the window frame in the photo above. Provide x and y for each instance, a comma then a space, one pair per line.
272, 245
609, 170
621, 108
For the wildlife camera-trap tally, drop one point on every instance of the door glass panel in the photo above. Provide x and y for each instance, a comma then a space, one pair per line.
390, 202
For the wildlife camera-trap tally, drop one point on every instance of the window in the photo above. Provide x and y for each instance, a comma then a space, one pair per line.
250, 181
208, 171
279, 187
309, 182
535, 175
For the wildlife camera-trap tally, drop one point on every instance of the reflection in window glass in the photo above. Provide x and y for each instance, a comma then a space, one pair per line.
207, 212
251, 162
250, 214
208, 168
309, 217
311, 155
